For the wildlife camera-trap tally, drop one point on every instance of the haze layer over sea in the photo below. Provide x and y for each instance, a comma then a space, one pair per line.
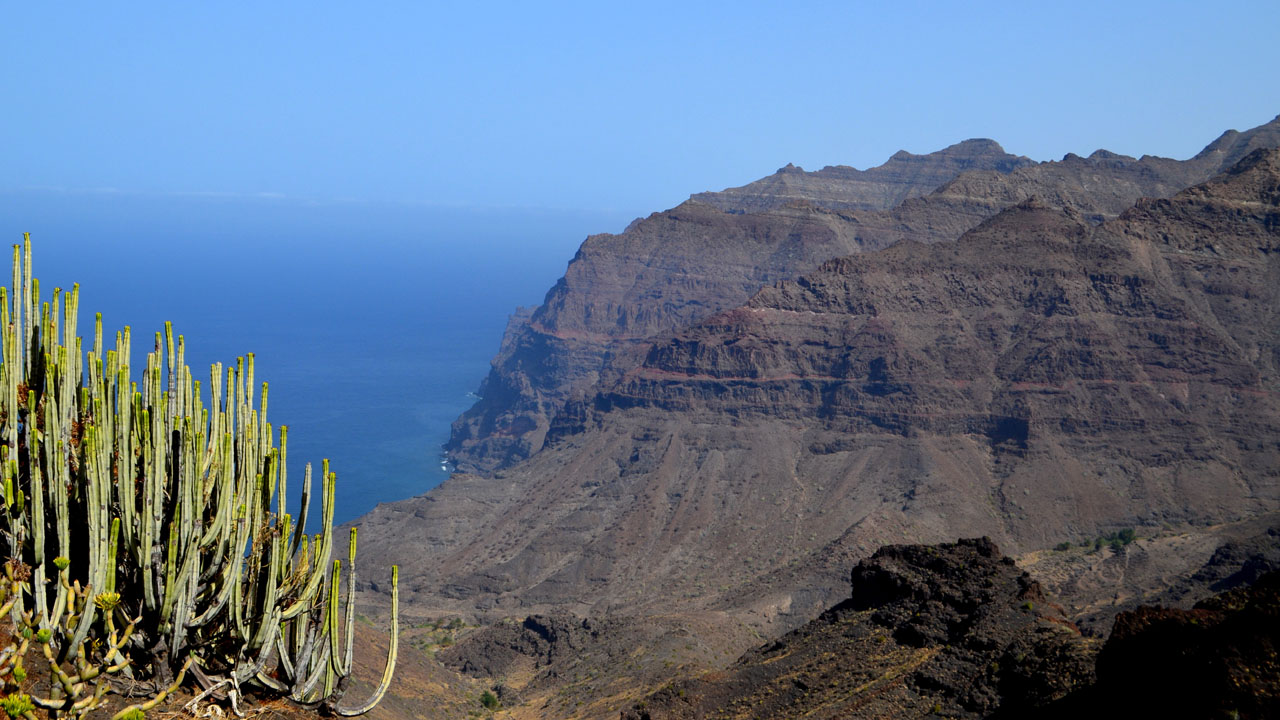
372, 323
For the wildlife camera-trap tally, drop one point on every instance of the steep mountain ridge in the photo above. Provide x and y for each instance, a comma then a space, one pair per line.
675, 268
1041, 379
840, 187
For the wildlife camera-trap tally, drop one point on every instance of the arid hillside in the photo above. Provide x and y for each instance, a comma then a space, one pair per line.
1051, 369
1040, 380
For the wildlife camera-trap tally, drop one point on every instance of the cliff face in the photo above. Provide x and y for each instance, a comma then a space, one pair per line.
667, 272
676, 268
1041, 379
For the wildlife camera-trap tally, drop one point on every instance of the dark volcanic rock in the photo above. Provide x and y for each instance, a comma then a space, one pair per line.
953, 630
932, 595
1241, 564
1217, 660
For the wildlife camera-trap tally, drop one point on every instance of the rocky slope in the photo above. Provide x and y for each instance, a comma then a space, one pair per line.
953, 630
956, 631
572, 667
1098, 578
1039, 380
676, 268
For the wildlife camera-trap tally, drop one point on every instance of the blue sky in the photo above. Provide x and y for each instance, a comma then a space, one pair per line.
620, 108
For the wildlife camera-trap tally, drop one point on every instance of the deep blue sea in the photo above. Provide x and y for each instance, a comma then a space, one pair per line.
372, 323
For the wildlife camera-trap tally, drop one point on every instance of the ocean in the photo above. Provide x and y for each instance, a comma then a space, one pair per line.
373, 323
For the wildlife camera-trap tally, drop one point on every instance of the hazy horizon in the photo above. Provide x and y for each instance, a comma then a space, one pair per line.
621, 110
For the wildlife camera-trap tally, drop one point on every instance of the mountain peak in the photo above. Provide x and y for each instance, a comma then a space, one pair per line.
1104, 154
971, 148
974, 147
1033, 216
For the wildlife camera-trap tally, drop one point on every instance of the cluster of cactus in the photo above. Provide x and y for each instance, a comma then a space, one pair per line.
147, 532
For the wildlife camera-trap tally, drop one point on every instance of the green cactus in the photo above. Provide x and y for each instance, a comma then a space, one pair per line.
147, 522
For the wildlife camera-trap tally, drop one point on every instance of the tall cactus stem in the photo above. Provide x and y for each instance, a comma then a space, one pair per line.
112, 548
350, 624
392, 651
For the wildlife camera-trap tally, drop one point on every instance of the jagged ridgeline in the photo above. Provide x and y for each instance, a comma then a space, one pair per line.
146, 531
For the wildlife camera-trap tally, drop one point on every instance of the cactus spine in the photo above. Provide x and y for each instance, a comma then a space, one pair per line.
164, 514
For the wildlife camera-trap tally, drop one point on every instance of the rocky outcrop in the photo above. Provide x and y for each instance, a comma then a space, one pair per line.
501, 649
1042, 379
953, 630
674, 269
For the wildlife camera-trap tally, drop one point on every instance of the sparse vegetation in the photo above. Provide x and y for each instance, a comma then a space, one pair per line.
439, 634
1114, 540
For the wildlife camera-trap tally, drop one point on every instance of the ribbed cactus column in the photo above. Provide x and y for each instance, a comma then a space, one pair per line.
154, 506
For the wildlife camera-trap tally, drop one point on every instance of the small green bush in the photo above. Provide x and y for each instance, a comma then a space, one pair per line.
1114, 540
16, 705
